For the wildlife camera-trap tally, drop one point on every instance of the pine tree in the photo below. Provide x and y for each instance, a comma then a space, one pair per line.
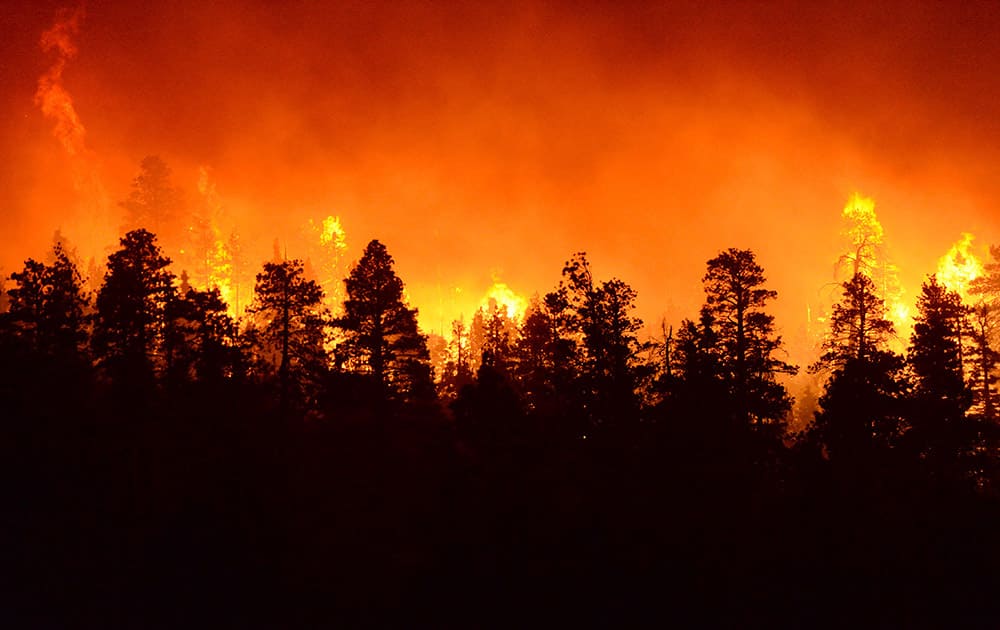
154, 203
861, 413
982, 359
47, 308
131, 309
859, 327
289, 330
736, 300
939, 433
985, 337
200, 338
381, 336
598, 335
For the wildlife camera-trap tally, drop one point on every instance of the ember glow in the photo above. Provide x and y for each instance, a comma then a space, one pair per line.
491, 141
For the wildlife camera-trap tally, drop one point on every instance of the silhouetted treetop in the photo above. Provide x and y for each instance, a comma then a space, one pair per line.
131, 306
859, 327
381, 335
47, 307
288, 329
154, 203
736, 299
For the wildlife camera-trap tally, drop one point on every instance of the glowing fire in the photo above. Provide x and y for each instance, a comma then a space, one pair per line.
503, 296
332, 234
868, 256
864, 232
959, 267
326, 251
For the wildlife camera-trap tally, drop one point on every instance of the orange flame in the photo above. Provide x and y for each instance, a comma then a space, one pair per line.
503, 296
327, 251
959, 267
867, 239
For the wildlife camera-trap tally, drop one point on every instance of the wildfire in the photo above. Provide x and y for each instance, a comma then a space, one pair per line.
332, 234
864, 232
326, 251
959, 267
868, 256
503, 296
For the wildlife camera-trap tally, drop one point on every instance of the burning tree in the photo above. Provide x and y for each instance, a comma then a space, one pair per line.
154, 203
868, 256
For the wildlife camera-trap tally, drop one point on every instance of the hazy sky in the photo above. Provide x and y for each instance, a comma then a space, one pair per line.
484, 140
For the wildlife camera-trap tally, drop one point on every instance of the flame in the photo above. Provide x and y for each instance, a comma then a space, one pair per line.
868, 256
332, 234
502, 295
959, 267
327, 251
212, 256
864, 233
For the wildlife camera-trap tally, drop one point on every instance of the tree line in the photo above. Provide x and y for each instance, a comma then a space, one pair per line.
172, 453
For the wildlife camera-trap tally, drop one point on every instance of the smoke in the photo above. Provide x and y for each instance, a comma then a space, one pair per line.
52, 96
487, 142
92, 216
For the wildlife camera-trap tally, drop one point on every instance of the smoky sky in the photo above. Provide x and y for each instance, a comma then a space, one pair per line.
496, 139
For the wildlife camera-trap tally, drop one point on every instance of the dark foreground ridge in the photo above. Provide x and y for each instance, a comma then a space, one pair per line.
166, 466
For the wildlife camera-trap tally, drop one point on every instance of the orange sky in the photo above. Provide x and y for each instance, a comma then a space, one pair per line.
484, 140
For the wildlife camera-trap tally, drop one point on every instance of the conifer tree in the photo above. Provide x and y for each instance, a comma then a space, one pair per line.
131, 308
861, 411
598, 337
939, 433
155, 203
736, 300
289, 330
47, 307
381, 335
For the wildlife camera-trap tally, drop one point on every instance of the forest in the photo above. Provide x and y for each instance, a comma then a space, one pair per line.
170, 464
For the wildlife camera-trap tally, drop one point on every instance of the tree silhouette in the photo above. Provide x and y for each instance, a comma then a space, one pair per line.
381, 331
596, 320
499, 335
456, 372
154, 203
939, 432
984, 336
289, 332
131, 309
543, 362
697, 387
736, 299
859, 327
47, 308
860, 410
982, 359
199, 338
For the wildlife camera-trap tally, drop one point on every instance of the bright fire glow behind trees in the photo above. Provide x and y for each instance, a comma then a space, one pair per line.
483, 172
